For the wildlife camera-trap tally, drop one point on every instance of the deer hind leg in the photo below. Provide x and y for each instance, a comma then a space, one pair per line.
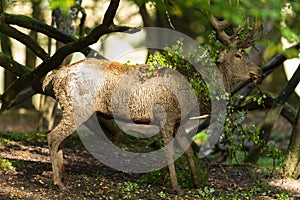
167, 136
55, 139
189, 153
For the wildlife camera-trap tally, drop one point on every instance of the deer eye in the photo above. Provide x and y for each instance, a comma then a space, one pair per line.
238, 56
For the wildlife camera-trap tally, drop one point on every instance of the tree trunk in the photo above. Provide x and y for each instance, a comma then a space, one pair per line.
272, 116
292, 154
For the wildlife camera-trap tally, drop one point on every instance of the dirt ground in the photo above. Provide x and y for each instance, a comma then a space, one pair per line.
31, 177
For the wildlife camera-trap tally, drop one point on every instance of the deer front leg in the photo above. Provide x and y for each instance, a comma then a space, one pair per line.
167, 136
55, 139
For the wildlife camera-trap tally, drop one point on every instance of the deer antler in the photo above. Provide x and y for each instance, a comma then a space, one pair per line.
220, 27
233, 40
250, 38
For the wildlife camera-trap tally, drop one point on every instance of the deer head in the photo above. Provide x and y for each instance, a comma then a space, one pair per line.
232, 64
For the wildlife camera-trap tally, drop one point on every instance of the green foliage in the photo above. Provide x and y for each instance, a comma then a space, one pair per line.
259, 99
282, 196
237, 11
129, 186
289, 34
206, 192
171, 57
28, 137
130, 190
200, 137
64, 5
238, 138
291, 53
161, 194
6, 165
190, 16
156, 178
177, 58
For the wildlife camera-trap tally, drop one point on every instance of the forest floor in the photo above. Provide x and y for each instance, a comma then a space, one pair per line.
27, 175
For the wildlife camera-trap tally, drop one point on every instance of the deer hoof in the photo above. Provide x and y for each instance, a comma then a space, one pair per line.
178, 190
60, 185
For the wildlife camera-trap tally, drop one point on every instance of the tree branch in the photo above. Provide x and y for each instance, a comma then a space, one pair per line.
37, 74
38, 26
288, 112
33, 24
111, 12
22, 96
24, 39
13, 66
272, 116
82, 20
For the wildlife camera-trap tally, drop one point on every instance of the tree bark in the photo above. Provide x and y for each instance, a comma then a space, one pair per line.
6, 50
292, 154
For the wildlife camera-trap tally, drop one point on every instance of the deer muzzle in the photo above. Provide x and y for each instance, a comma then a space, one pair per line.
255, 73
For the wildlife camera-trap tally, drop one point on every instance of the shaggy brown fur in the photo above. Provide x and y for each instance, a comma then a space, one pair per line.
72, 89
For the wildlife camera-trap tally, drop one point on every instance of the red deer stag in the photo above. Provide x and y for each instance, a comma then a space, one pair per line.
233, 67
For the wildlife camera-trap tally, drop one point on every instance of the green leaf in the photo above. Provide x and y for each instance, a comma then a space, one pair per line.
290, 34
201, 136
64, 5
